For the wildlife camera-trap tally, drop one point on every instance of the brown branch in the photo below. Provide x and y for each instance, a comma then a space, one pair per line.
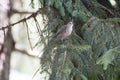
61, 67
36, 72
4, 34
108, 10
39, 30
37, 26
26, 53
41, 10
23, 11
28, 35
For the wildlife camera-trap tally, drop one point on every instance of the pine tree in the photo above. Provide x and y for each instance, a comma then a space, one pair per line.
94, 41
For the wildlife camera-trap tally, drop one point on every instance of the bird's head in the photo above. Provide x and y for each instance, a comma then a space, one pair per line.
70, 23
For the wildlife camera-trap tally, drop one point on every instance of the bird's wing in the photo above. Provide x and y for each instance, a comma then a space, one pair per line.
60, 32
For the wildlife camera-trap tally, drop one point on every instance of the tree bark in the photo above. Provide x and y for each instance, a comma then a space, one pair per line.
6, 40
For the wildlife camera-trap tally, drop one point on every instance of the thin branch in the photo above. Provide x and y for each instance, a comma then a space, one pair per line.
26, 53
65, 53
36, 72
39, 30
28, 35
61, 67
108, 10
41, 10
23, 11
37, 25
3, 34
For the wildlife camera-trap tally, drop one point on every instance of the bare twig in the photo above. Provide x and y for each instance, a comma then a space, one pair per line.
28, 35
41, 10
37, 25
61, 67
65, 53
108, 10
25, 52
23, 11
4, 34
39, 30
36, 72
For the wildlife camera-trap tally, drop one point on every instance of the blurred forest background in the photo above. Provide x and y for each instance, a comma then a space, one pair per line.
90, 53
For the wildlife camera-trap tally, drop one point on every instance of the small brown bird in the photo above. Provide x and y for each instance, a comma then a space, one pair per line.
64, 32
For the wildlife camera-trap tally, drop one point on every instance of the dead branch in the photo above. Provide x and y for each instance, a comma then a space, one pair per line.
23, 11
25, 52
41, 10
39, 30
28, 35
108, 10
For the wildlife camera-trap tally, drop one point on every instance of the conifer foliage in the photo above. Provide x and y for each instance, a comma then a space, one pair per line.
92, 50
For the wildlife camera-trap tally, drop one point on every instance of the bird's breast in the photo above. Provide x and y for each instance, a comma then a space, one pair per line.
69, 30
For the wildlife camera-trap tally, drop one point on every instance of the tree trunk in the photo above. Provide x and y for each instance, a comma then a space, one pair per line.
6, 40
